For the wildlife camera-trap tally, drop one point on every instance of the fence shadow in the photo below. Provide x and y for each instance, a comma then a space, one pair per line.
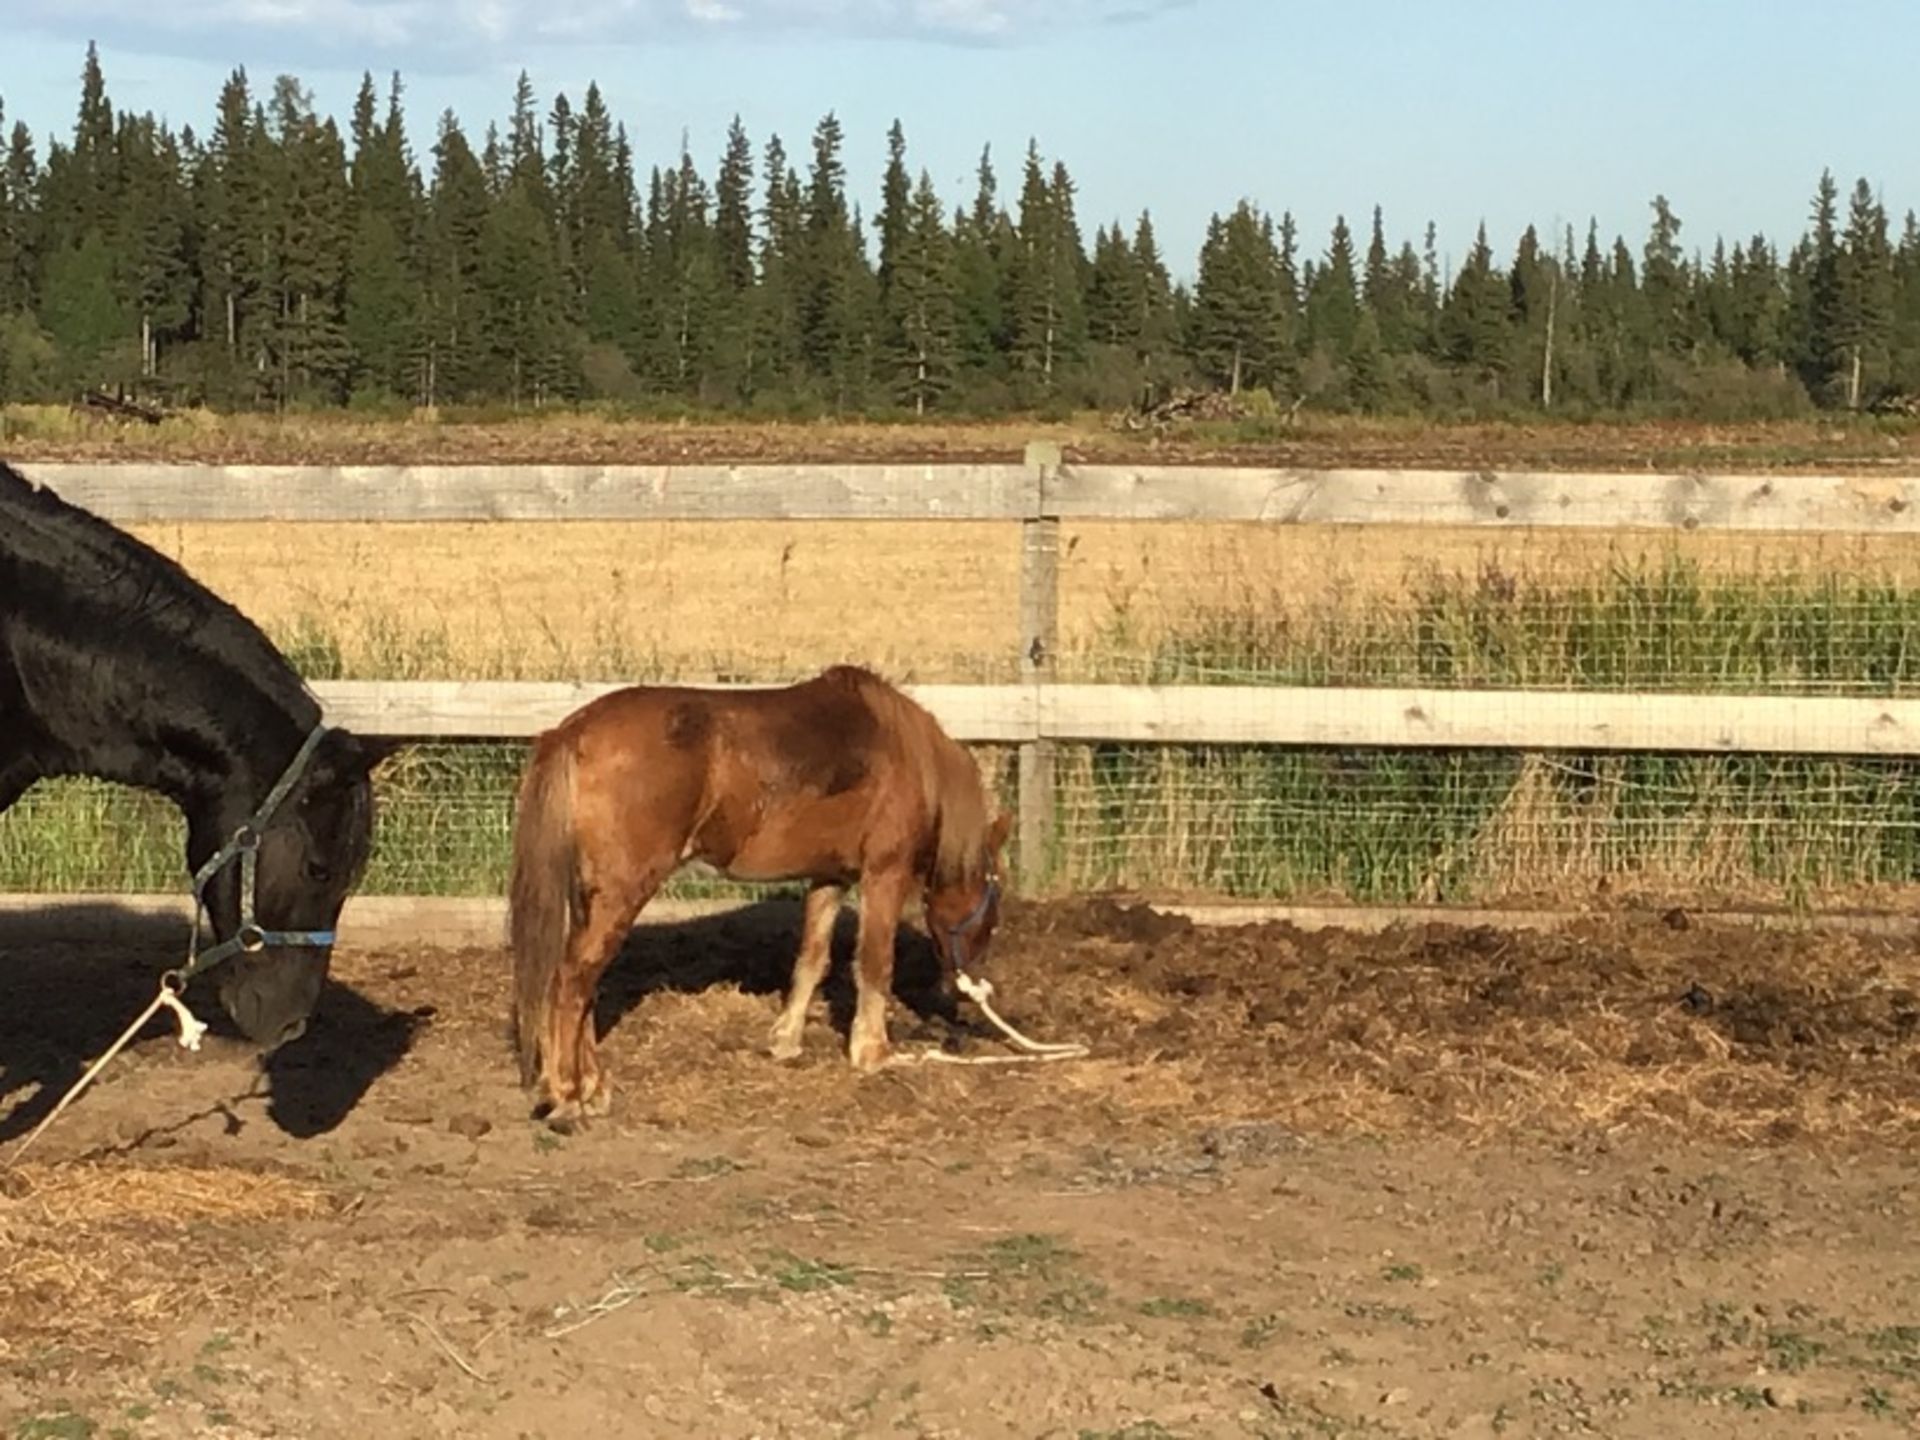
753, 948
74, 974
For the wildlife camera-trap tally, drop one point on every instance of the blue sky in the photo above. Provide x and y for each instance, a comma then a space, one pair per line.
1496, 110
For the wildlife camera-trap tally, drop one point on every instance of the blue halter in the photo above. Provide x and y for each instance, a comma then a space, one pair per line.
956, 942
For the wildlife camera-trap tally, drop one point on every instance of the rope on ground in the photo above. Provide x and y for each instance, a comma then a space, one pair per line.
192, 1029
1036, 1052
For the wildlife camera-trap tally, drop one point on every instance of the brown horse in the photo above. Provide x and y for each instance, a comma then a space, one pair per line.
837, 780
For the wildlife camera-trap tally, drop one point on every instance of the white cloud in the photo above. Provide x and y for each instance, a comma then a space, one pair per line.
423, 29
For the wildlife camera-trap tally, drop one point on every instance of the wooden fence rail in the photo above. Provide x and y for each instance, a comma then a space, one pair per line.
1041, 495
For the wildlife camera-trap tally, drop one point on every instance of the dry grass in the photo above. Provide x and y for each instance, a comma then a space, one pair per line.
104, 1256
1603, 1028
922, 600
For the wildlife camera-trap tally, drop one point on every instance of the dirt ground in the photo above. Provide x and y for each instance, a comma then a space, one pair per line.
590, 437
1637, 1177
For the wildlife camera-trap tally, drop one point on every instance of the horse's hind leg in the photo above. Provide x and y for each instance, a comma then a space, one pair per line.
809, 968
882, 897
575, 1084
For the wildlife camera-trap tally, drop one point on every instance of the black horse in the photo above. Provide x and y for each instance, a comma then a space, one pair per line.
115, 663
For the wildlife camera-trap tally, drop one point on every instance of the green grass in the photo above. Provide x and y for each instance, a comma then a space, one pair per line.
1265, 822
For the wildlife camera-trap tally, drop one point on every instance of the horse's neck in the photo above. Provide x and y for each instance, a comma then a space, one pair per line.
193, 737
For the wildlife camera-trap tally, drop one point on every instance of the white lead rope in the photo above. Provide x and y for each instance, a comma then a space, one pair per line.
1038, 1052
192, 1028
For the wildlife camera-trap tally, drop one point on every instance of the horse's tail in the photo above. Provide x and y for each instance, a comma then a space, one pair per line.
542, 891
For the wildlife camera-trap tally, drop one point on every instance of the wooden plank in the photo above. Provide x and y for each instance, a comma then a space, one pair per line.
1039, 647
1840, 504
1234, 715
1452, 719
520, 709
1846, 504
148, 492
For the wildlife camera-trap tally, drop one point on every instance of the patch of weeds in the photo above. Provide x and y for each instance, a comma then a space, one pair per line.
1747, 1397
706, 1167
546, 1141
1389, 1314
167, 1388
1171, 1307
1025, 1273
1792, 1351
1551, 1275
1339, 1355
138, 1412
1403, 1274
1259, 1331
221, 1418
217, 1343
699, 1275
662, 1242
57, 1425
1078, 1301
1877, 1402
210, 1374
1138, 1430
1029, 1252
877, 1323
1896, 1349
803, 1277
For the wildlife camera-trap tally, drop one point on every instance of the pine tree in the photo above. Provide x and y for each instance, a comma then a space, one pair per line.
311, 246
1474, 321
776, 356
1905, 333
835, 281
1156, 329
1864, 281
1237, 302
19, 222
384, 304
233, 201
457, 362
1333, 303
731, 356
1664, 284
1818, 343
1049, 305
896, 200
1113, 317
982, 246
919, 303
151, 227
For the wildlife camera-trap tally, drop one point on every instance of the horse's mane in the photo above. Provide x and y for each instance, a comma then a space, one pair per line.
956, 801
91, 584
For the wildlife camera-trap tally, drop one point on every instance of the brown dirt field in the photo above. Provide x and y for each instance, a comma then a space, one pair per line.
47, 433
927, 601
1635, 1178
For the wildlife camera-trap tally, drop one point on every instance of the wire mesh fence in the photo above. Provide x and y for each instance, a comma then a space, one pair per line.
1164, 603
1240, 822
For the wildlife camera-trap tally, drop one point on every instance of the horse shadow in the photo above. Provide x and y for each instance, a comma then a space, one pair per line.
752, 948
76, 974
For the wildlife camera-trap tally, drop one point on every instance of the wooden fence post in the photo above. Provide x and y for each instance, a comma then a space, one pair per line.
1039, 639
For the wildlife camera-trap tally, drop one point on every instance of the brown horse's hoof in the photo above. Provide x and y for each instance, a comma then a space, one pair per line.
871, 1058
784, 1044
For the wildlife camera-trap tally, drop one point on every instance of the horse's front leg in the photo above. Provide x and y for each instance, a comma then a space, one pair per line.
883, 894
809, 968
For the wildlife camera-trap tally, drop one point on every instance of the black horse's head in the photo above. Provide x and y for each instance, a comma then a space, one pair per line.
312, 849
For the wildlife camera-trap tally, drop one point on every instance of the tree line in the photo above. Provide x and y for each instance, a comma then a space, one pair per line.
278, 261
